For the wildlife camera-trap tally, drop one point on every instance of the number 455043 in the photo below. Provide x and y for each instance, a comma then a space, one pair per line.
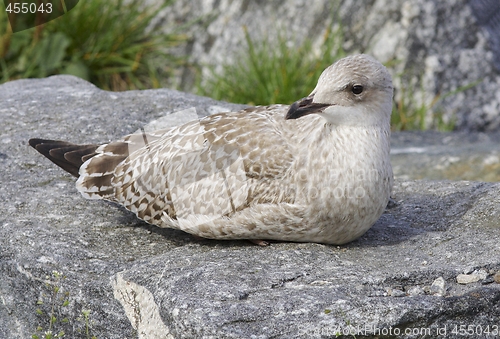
25, 8
475, 330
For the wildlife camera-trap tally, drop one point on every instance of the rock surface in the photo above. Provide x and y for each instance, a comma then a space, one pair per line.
441, 47
450, 156
123, 278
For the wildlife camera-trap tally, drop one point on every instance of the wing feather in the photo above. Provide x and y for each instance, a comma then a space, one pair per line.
211, 168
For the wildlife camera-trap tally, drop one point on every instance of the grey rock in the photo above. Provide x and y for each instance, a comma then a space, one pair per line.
415, 290
394, 292
482, 273
446, 156
487, 13
468, 270
488, 280
126, 279
441, 47
468, 278
438, 287
477, 275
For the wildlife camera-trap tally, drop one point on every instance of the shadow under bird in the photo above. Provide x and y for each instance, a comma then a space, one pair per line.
316, 171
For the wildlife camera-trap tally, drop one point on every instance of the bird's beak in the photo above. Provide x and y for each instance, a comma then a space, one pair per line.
303, 107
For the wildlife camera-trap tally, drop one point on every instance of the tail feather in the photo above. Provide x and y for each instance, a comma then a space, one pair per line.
93, 165
70, 157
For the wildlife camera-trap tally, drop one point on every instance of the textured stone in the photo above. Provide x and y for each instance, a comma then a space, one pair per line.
415, 290
133, 280
394, 292
487, 13
440, 46
446, 156
438, 287
468, 278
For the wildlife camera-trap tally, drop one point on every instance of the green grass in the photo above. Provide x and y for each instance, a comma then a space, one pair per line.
52, 309
264, 75
108, 43
409, 113
57, 303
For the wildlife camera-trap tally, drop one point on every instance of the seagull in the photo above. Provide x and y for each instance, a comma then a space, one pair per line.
315, 171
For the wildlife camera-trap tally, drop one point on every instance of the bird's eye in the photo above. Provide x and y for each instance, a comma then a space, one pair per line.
357, 89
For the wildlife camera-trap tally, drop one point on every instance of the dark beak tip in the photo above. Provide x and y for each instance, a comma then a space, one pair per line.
304, 107
289, 115
292, 111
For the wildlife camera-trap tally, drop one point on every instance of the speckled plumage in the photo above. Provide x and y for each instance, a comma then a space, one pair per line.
323, 177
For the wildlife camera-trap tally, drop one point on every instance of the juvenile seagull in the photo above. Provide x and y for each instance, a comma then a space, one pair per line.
315, 171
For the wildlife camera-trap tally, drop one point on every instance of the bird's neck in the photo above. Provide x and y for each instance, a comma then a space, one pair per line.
349, 139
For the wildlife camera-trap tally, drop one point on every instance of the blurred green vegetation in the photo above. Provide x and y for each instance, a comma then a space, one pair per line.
410, 113
110, 43
264, 74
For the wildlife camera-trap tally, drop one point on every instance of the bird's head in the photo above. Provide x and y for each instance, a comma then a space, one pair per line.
356, 91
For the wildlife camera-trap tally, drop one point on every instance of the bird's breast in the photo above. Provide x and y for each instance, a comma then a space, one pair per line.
346, 175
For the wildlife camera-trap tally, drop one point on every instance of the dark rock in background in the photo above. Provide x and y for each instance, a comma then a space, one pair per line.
487, 13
